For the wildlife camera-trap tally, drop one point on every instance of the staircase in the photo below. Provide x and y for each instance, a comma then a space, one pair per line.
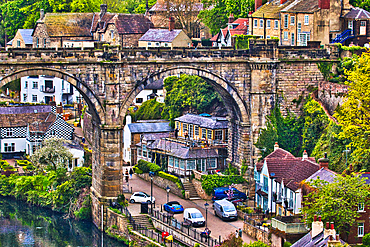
143, 221
193, 194
347, 34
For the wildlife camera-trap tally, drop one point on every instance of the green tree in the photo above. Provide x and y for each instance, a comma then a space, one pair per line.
256, 244
354, 114
150, 109
337, 201
53, 156
366, 240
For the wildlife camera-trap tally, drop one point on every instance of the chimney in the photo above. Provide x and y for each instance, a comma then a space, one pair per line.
315, 217
327, 225
42, 14
324, 162
305, 155
257, 4
330, 232
103, 10
319, 217
324, 4
171, 25
283, 1
128, 119
231, 18
317, 227
332, 225
276, 146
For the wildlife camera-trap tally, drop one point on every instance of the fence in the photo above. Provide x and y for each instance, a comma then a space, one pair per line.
185, 228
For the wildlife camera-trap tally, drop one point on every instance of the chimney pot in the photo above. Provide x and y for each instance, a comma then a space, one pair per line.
327, 225
305, 155
282, 1
257, 4
324, 4
324, 162
171, 25
315, 217
231, 18
319, 217
332, 225
42, 14
276, 146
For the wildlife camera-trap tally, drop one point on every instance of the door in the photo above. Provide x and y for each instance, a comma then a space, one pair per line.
203, 166
363, 28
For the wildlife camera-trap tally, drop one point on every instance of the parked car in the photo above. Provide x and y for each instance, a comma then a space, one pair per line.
194, 217
225, 210
141, 197
221, 193
173, 207
236, 201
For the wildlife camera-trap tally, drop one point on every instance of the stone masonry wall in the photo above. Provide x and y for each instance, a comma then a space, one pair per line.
162, 183
201, 193
256, 233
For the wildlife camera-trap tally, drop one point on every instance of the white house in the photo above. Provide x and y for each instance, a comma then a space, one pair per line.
278, 179
152, 91
224, 37
43, 89
78, 155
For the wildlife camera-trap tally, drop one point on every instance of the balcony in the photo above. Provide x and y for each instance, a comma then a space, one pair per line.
47, 89
289, 225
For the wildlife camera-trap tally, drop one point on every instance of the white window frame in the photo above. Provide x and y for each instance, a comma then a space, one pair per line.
292, 20
268, 24
212, 163
276, 24
35, 85
25, 84
112, 34
292, 39
191, 165
286, 36
24, 97
196, 131
261, 23
350, 25
361, 207
34, 97
9, 132
218, 134
204, 133
306, 20
9, 147
209, 134
255, 24
360, 229
18, 43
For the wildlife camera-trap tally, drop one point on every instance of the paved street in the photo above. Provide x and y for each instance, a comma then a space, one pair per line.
215, 224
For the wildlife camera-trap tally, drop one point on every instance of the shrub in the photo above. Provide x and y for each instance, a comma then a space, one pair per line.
366, 240
209, 182
287, 244
137, 170
171, 178
146, 166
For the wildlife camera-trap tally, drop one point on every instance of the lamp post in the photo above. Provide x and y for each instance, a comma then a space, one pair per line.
346, 151
151, 174
168, 193
206, 206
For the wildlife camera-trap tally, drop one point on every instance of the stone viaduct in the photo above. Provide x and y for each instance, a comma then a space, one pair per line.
249, 81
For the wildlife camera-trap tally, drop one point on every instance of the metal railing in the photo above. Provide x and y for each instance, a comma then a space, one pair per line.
288, 227
185, 228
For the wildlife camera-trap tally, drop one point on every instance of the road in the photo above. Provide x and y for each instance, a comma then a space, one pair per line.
215, 224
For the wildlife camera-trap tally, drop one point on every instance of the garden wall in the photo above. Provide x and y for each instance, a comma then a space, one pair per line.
256, 233
119, 220
162, 183
198, 186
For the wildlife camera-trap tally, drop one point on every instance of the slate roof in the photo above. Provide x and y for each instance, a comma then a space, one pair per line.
25, 109
204, 122
160, 35
161, 6
271, 9
158, 84
323, 174
155, 136
316, 241
26, 35
302, 6
357, 14
148, 127
43, 120
366, 175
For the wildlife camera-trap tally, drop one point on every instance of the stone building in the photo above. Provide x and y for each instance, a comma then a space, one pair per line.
295, 22
80, 29
22, 39
357, 23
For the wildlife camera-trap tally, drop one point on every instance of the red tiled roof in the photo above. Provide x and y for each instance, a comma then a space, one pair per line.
280, 153
243, 23
36, 121
214, 38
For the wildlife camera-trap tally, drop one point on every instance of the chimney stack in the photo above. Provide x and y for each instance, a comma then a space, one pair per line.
324, 162
171, 25
319, 217
305, 155
282, 1
42, 14
324, 4
276, 146
327, 225
315, 217
332, 225
257, 4
317, 227
231, 18
103, 10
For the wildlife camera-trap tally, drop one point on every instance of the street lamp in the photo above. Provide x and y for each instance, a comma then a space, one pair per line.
346, 151
206, 205
151, 174
168, 193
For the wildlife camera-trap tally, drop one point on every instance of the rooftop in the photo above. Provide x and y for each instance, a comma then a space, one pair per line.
148, 127
26, 35
204, 122
160, 35
303, 6
25, 109
271, 9
357, 14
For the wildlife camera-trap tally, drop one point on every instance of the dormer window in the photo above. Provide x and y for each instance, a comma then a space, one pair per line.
230, 26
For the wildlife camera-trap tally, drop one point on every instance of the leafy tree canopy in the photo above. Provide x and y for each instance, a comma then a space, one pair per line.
150, 109
337, 201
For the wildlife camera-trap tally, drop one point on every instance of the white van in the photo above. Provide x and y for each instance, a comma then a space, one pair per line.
194, 216
225, 210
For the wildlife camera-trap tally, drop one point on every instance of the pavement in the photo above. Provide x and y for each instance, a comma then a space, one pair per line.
215, 224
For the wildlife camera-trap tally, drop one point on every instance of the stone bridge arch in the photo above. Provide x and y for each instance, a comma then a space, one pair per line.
239, 144
89, 96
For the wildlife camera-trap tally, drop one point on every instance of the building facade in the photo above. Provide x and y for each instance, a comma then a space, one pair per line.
152, 91
22, 39
234, 27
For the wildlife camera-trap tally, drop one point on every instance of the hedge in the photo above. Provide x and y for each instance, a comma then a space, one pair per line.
209, 182
147, 167
171, 178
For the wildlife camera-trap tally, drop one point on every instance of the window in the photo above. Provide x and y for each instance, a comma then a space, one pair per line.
268, 24
286, 21
209, 134
157, 44
212, 163
299, 27
176, 161
350, 25
292, 20
170, 161
196, 131
292, 36
182, 164
9, 147
276, 24
204, 133
62, 84
18, 43
37, 42
360, 229
149, 43
190, 165
145, 153
218, 134
361, 207
9, 132
25, 84
165, 44
190, 130
285, 35
139, 100
34, 98
44, 42
112, 34
25, 97
185, 127
255, 23
226, 134
102, 37
306, 19
35, 85
261, 23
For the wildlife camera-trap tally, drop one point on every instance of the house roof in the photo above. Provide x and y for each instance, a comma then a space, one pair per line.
302, 6
366, 175
26, 35
204, 122
10, 42
271, 9
25, 109
150, 127
36, 121
357, 14
323, 174
160, 35
158, 84
240, 28
214, 38
155, 136
316, 241
161, 6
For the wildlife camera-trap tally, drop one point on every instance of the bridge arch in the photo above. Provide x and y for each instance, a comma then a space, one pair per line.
88, 95
239, 143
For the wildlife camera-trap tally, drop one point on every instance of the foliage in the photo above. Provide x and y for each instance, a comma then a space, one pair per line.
188, 93
87, 156
150, 109
84, 213
216, 12
366, 240
231, 170
52, 156
137, 170
337, 201
325, 69
354, 113
209, 182
287, 131
257, 244
146, 166
5, 166
232, 241
287, 244
246, 210
171, 178
242, 41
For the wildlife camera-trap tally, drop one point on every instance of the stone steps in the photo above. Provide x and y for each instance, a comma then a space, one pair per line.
143, 220
193, 194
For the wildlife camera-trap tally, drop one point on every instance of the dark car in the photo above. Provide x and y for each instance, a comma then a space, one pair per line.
173, 207
221, 193
235, 200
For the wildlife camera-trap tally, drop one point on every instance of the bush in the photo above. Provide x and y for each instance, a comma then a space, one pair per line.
137, 170
209, 182
366, 240
171, 178
287, 244
147, 167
